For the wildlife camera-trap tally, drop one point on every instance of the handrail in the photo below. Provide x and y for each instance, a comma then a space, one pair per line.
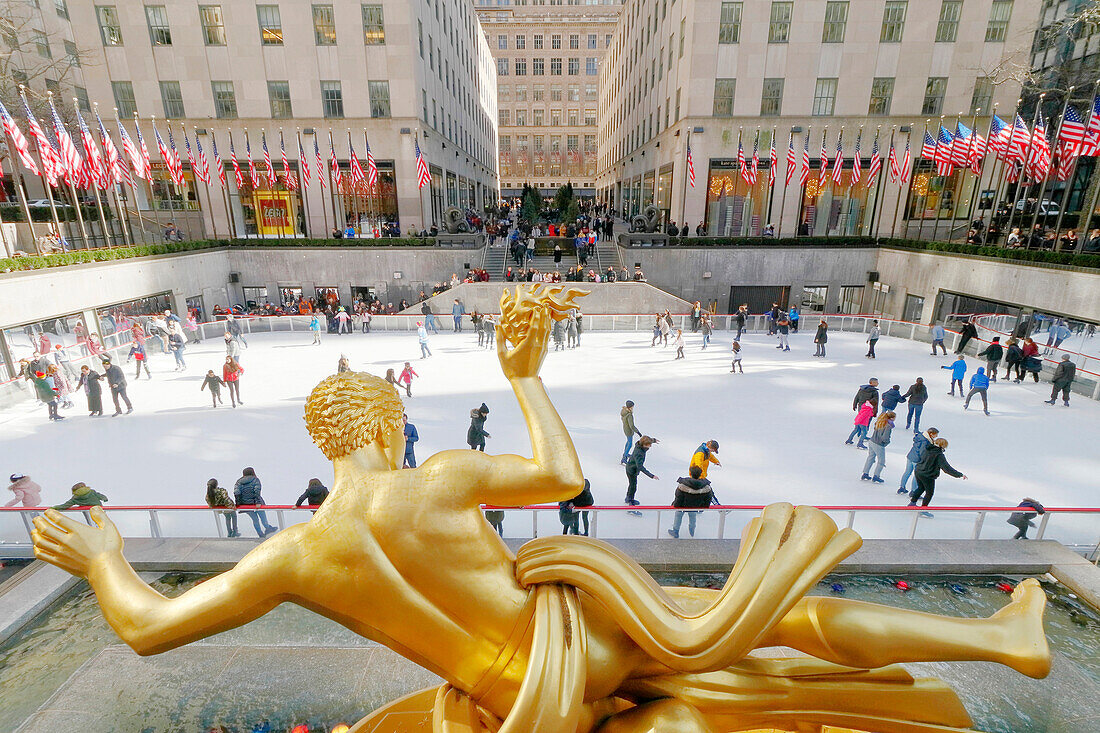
597, 507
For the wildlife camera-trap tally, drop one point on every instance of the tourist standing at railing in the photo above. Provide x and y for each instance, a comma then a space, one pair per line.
979, 385
820, 338
920, 442
231, 374
931, 463
83, 496
968, 331
89, 380
246, 492
635, 465
696, 314
992, 355
117, 381
692, 492
958, 371
916, 395
872, 339
218, 498
314, 495
876, 447
1064, 374
861, 423
25, 491
1022, 520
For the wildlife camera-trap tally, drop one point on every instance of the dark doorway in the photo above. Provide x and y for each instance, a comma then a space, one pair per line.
759, 298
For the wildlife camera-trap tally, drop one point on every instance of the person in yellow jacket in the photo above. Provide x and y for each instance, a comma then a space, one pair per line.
704, 455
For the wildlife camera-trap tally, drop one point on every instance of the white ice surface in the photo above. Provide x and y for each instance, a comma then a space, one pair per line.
781, 427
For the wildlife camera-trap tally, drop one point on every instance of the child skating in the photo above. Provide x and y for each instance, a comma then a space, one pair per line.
737, 350
214, 383
406, 378
679, 344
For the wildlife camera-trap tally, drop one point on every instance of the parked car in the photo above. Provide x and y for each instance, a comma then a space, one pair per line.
46, 203
1046, 208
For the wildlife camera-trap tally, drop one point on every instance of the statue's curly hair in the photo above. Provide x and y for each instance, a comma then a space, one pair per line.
350, 410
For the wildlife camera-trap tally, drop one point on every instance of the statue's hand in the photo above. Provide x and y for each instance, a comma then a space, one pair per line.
73, 546
525, 357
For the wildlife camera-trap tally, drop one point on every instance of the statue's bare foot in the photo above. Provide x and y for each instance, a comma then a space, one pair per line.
1025, 643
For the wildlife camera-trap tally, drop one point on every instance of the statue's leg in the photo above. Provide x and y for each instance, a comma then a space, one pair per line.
666, 716
858, 634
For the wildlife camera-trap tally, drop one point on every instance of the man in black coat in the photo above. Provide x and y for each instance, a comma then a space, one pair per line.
867, 393
117, 380
969, 331
1064, 375
931, 463
693, 492
992, 355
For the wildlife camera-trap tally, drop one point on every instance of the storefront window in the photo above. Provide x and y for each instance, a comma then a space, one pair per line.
647, 189
329, 295
664, 192
35, 339
836, 209
452, 189
167, 196
362, 204
735, 209
945, 197
289, 294
914, 308
254, 296
270, 211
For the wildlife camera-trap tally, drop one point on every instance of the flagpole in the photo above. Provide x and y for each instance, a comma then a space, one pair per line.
370, 188
907, 172
783, 196
880, 198
771, 177
740, 175
17, 179
683, 197
943, 184
227, 198
332, 186
124, 221
981, 169
1002, 183
320, 180
1046, 177
424, 227
149, 184
133, 193
72, 188
969, 164
1073, 169
108, 238
42, 167
833, 186
1023, 170
196, 177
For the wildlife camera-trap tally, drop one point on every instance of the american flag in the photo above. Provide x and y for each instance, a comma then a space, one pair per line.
70, 158
906, 161
286, 163
217, 159
754, 166
857, 164
895, 171
253, 175
742, 167
943, 153
136, 162
999, 133
116, 169
21, 144
372, 167
236, 167
177, 165
876, 161
97, 171
144, 150
1090, 146
303, 163
423, 175
1017, 144
1070, 139
838, 162
203, 171
335, 163
772, 162
320, 162
1038, 164
190, 153
804, 176
357, 175
824, 173
791, 161
52, 164
691, 166
269, 169
164, 153
978, 147
928, 150
960, 145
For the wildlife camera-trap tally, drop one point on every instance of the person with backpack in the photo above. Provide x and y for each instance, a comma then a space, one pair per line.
912, 458
992, 355
218, 498
692, 492
979, 384
931, 463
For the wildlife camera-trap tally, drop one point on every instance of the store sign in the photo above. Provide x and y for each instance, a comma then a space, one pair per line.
273, 211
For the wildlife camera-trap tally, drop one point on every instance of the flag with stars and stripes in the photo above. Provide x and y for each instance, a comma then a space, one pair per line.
1090, 145
943, 153
137, 165
117, 170
320, 162
165, 154
203, 171
286, 163
876, 161
978, 147
804, 176
253, 174
269, 170
21, 145
1017, 144
357, 175
792, 163
906, 163
218, 166
892, 161
236, 166
372, 167
303, 162
823, 174
772, 163
857, 164
190, 153
754, 164
144, 151
335, 162
177, 164
97, 171
74, 165
928, 149
690, 166
1070, 139
960, 145
742, 166
423, 175
838, 162
52, 165
1038, 164
999, 133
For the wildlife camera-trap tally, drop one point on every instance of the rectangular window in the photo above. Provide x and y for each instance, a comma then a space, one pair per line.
836, 22
590, 118
592, 40
82, 98
379, 98
538, 93
225, 100
893, 21
537, 117
933, 95
574, 41
999, 15
124, 98
555, 41
771, 99
213, 25
324, 25
521, 66
54, 86
374, 31
41, 44
172, 98
502, 67
882, 93
574, 118
824, 97
538, 41
591, 66
62, 8
729, 28
521, 117
723, 97
574, 67
278, 94
504, 117
332, 100
555, 67
780, 28
683, 32
502, 42
948, 29
521, 42
574, 93
110, 30
271, 25
159, 32
982, 100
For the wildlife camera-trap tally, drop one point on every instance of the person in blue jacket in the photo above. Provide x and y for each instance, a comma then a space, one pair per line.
958, 371
891, 397
912, 458
793, 317
411, 436
315, 328
979, 383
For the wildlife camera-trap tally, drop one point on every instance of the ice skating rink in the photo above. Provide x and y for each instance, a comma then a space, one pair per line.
781, 426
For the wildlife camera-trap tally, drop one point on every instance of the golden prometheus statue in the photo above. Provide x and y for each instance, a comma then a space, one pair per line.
570, 635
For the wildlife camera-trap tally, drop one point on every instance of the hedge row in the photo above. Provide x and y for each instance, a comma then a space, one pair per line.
1072, 259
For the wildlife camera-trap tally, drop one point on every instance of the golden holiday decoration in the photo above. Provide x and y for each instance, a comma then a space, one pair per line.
570, 634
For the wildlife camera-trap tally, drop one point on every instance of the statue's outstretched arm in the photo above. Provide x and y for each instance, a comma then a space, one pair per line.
146, 620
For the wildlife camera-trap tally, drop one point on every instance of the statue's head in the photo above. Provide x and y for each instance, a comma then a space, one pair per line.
348, 411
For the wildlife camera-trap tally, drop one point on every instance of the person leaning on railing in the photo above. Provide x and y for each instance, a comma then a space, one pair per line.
218, 498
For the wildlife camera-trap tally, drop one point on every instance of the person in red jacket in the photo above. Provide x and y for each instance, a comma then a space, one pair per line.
231, 374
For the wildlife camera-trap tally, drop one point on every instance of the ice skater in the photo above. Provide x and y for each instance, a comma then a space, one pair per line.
737, 350
406, 378
679, 344
214, 383
89, 380
422, 338
992, 355
489, 326
1062, 380
979, 385
557, 331
784, 328
707, 329
916, 396
821, 338
872, 339
627, 416
862, 421
231, 375
876, 447
635, 465
958, 371
939, 333
476, 433
117, 381
138, 354
931, 463
912, 458
315, 327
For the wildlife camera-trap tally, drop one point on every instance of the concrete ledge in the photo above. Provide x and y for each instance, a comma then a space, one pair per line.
28, 593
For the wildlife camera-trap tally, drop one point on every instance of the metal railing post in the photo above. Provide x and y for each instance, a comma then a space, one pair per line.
592, 530
218, 525
535, 523
1042, 526
851, 518
279, 518
978, 522
722, 524
913, 526
27, 524
658, 524
154, 524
